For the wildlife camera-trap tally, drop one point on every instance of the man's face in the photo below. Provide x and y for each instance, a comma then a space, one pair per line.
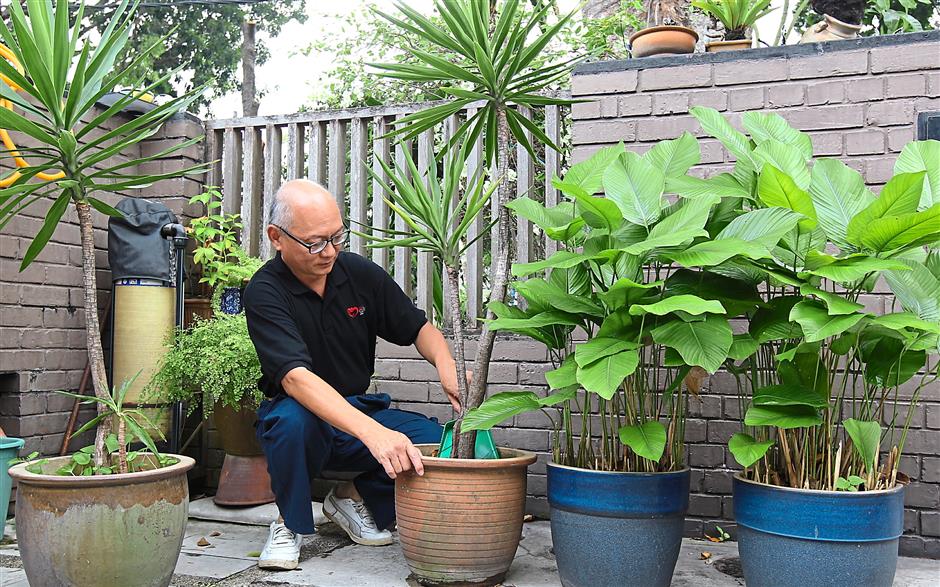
310, 224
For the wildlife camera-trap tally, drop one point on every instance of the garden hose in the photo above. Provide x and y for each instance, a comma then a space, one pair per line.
11, 179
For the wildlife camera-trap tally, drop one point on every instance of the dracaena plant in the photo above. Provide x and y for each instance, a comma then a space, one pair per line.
820, 378
629, 334
56, 82
737, 16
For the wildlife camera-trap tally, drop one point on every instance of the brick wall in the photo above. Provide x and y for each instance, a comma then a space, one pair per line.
858, 100
42, 340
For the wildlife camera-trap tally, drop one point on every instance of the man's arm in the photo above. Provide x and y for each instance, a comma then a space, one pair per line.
393, 450
433, 347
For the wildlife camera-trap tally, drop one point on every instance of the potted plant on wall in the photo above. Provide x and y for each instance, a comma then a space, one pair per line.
492, 59
738, 18
841, 19
821, 391
618, 483
667, 31
72, 159
213, 365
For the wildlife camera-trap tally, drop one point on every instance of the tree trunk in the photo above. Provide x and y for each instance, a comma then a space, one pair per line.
99, 377
453, 302
674, 12
499, 273
249, 56
599, 8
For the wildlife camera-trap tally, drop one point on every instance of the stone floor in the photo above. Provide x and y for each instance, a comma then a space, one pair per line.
223, 554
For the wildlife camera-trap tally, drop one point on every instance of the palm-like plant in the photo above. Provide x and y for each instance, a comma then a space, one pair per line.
736, 15
63, 79
498, 66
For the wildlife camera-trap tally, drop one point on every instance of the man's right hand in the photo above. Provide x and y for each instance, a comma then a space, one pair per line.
394, 451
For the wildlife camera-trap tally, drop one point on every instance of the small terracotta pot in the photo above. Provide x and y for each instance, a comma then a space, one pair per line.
244, 480
719, 46
663, 40
461, 522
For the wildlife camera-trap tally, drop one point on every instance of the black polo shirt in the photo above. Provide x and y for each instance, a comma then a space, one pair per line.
333, 336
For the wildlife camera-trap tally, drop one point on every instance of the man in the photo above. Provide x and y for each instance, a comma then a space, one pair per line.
314, 313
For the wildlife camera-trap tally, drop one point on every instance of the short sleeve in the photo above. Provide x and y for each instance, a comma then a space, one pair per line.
275, 335
400, 319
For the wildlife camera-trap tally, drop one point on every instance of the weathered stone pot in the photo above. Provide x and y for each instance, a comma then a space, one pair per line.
614, 528
461, 522
663, 40
102, 530
792, 536
719, 46
830, 29
244, 480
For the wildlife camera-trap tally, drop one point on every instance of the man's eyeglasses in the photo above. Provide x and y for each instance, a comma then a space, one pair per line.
337, 240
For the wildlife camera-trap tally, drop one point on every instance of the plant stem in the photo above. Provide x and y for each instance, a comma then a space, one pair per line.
122, 448
99, 377
453, 278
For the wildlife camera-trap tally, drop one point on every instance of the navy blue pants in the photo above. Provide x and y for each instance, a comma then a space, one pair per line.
299, 445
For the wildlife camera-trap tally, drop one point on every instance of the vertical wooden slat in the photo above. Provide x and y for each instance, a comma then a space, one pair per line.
425, 299
232, 171
252, 227
552, 168
402, 256
380, 152
295, 151
474, 266
358, 189
316, 153
214, 154
272, 178
337, 169
525, 181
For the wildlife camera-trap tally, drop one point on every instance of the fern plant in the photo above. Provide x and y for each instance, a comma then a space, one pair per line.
737, 16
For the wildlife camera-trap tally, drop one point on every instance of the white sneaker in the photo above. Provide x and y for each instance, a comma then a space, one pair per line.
356, 519
282, 550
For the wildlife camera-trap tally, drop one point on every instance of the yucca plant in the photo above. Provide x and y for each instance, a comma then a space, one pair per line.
62, 77
490, 57
737, 16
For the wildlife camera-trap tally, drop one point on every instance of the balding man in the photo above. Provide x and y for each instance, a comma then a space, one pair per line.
314, 312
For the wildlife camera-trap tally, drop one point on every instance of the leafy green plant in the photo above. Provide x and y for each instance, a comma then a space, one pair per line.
62, 81
212, 362
608, 37
737, 16
498, 64
821, 379
887, 17
224, 263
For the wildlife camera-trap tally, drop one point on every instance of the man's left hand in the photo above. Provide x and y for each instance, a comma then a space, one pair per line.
448, 376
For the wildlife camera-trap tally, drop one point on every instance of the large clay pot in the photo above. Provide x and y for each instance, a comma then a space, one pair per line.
792, 536
663, 40
244, 480
830, 29
719, 46
9, 447
101, 530
461, 522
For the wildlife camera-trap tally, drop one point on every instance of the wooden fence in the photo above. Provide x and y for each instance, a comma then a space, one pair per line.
335, 148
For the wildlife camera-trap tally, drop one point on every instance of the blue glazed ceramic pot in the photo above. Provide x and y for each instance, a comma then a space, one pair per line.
812, 538
231, 301
9, 447
616, 528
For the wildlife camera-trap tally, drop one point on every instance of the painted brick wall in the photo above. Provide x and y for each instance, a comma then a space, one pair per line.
857, 100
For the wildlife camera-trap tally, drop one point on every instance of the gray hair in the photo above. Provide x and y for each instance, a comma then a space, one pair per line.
280, 213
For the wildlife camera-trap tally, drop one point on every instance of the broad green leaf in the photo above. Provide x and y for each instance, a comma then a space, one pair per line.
785, 417
853, 268
596, 349
839, 194
625, 292
765, 226
703, 343
922, 156
589, 174
901, 320
786, 158
636, 187
674, 157
789, 395
866, 439
550, 318
917, 289
723, 185
899, 196
715, 252
564, 376
816, 322
773, 321
604, 377
498, 408
540, 215
550, 295
747, 450
888, 362
742, 347
647, 440
736, 296
618, 324
912, 229
665, 239
770, 126
684, 216
687, 303
715, 125
561, 259
835, 303
776, 188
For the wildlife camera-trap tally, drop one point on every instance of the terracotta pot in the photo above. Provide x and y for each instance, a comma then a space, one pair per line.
663, 40
719, 46
102, 530
830, 29
193, 307
244, 480
461, 522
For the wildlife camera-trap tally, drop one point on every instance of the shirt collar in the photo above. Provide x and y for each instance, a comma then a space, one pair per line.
337, 277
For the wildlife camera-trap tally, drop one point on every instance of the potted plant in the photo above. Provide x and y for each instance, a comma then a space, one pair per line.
71, 160
841, 19
500, 71
667, 31
825, 420
629, 339
737, 17
213, 365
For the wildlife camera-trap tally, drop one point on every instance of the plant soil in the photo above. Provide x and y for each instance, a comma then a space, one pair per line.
850, 11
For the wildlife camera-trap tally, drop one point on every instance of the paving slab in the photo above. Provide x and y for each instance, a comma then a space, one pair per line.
13, 577
212, 567
259, 515
235, 541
